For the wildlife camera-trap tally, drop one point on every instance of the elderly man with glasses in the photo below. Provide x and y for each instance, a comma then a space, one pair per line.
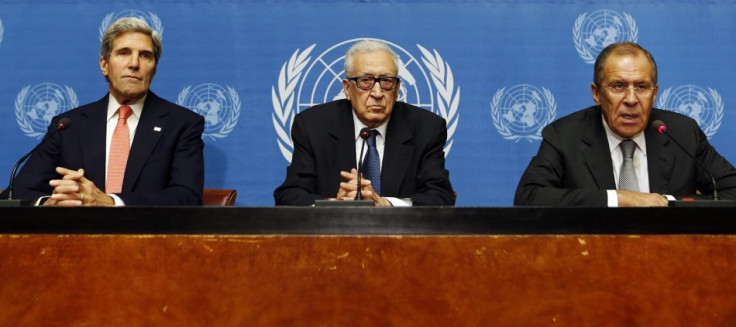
404, 162
609, 155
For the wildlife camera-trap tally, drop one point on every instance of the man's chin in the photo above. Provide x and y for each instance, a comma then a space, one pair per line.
374, 121
628, 131
130, 96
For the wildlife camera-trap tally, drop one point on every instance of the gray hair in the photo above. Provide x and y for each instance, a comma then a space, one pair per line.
125, 25
621, 48
367, 46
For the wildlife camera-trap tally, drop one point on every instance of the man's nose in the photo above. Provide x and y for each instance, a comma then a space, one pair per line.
630, 96
376, 90
134, 61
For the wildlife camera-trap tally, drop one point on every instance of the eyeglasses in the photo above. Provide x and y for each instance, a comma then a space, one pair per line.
639, 88
367, 82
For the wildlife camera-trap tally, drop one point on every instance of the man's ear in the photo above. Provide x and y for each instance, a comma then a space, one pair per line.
596, 93
345, 86
103, 65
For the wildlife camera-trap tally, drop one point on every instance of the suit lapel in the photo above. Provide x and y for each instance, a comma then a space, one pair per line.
597, 155
343, 142
660, 161
93, 131
151, 126
396, 153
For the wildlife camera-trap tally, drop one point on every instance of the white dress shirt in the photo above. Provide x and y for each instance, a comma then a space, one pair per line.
380, 146
617, 158
112, 122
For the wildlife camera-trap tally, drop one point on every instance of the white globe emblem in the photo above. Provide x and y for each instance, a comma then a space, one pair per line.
220, 107
36, 106
2, 31
603, 27
704, 106
150, 18
322, 80
304, 82
522, 111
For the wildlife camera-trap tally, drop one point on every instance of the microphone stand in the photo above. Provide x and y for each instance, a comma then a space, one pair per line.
63, 124
716, 202
358, 201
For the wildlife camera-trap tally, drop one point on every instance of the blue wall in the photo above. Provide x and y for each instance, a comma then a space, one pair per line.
498, 71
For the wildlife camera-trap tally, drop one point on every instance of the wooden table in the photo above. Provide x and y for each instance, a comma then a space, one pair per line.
367, 267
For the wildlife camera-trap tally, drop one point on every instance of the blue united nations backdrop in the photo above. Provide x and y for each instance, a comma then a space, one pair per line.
497, 71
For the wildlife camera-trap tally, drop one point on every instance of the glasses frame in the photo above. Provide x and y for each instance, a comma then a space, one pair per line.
396, 81
637, 91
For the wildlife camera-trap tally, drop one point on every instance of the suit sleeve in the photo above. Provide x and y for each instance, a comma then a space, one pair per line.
300, 186
723, 172
433, 179
33, 179
543, 182
184, 182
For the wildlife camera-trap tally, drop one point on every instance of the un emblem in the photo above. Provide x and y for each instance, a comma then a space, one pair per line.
427, 83
219, 106
35, 106
706, 107
522, 112
150, 18
593, 33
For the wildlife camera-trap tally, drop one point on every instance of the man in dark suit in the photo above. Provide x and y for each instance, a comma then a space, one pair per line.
409, 141
582, 161
164, 164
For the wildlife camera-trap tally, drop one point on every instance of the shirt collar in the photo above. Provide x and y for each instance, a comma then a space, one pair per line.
113, 105
614, 139
359, 125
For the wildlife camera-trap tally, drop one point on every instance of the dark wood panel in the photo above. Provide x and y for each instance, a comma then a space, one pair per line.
241, 280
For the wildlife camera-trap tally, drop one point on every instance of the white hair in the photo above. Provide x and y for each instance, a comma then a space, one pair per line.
367, 46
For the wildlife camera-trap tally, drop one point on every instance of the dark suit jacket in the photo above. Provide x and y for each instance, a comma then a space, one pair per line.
324, 144
574, 166
165, 167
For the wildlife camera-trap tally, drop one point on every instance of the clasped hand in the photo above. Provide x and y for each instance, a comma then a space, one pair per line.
73, 189
349, 188
637, 199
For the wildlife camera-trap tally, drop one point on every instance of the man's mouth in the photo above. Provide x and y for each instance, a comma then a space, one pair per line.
629, 116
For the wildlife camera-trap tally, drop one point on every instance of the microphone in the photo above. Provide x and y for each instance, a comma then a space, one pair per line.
662, 129
62, 125
365, 133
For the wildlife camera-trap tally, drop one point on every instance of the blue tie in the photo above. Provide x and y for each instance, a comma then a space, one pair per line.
372, 163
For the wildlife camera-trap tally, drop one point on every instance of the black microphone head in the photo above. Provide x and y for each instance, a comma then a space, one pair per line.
659, 126
64, 123
365, 133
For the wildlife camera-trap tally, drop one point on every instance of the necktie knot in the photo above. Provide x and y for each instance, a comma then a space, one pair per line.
372, 139
627, 147
124, 112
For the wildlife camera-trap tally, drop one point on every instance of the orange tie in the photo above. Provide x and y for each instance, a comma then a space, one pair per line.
119, 149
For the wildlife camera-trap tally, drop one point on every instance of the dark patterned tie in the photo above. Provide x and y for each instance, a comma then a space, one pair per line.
372, 163
627, 180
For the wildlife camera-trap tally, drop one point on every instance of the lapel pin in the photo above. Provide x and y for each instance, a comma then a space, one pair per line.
157, 129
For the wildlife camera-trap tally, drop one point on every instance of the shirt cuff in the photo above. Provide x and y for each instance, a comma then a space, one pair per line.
612, 198
118, 202
396, 202
40, 200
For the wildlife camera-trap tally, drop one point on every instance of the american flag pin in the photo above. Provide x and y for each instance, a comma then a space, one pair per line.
156, 129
